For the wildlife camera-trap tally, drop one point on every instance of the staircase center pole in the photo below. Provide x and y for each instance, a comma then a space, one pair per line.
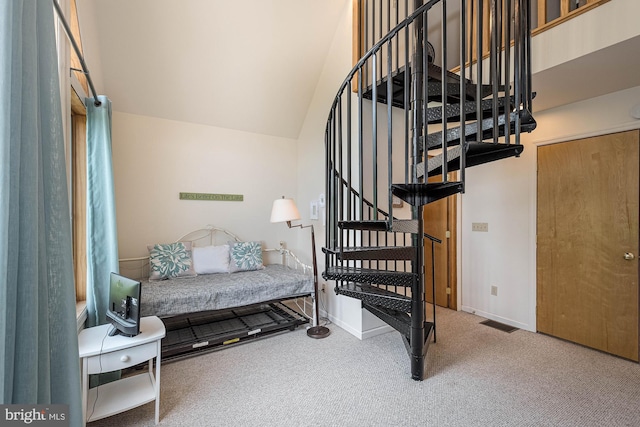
417, 290
417, 101
417, 302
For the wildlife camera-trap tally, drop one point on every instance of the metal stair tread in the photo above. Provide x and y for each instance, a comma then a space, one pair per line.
435, 74
375, 252
375, 296
436, 161
527, 124
398, 320
371, 225
359, 270
479, 153
434, 140
374, 290
368, 276
453, 91
397, 225
360, 248
422, 194
434, 114
434, 87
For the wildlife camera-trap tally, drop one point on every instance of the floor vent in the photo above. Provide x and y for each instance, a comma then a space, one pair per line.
498, 325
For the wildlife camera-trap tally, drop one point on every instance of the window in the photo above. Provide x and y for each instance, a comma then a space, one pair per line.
74, 87
78, 193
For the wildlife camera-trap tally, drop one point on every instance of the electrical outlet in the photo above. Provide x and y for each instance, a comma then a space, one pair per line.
480, 226
494, 291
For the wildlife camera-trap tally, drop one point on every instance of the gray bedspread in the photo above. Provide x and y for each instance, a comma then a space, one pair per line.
223, 290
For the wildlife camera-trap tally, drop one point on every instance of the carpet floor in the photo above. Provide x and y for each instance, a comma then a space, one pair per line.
476, 376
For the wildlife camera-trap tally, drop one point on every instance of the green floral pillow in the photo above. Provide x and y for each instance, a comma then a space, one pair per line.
170, 260
245, 256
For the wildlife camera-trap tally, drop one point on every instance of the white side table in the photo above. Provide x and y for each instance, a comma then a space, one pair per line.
101, 353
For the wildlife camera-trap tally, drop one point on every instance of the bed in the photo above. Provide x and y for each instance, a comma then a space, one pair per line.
206, 306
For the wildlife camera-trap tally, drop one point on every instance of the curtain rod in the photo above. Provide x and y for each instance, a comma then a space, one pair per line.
67, 29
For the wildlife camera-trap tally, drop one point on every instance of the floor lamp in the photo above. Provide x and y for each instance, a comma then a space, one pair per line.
285, 210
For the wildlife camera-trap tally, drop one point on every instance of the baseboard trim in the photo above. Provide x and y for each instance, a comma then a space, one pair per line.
500, 319
361, 335
385, 329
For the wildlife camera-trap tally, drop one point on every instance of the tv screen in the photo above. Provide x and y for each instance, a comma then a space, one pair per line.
124, 305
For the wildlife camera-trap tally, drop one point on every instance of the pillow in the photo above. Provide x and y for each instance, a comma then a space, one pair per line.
245, 256
170, 260
211, 259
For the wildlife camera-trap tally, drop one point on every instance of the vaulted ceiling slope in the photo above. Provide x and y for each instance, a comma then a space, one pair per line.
250, 65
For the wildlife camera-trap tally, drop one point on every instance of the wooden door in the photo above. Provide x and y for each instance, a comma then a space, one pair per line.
439, 221
587, 220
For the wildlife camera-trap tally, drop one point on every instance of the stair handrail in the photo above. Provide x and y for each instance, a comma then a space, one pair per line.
384, 213
362, 61
364, 200
376, 47
432, 238
353, 221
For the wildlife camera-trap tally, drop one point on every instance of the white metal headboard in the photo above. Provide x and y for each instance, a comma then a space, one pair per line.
208, 236
138, 268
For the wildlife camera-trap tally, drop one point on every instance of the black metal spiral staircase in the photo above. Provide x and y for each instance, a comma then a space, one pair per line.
401, 117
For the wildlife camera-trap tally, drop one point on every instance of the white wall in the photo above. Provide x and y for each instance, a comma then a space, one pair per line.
502, 257
156, 159
343, 311
604, 26
503, 194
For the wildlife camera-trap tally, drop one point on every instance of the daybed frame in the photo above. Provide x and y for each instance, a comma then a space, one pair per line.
193, 331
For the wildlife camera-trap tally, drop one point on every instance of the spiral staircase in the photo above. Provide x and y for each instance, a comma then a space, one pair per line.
402, 130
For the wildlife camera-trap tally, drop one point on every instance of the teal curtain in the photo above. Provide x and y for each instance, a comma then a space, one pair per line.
38, 332
102, 235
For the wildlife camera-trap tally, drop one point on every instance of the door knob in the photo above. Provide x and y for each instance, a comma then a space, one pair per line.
629, 256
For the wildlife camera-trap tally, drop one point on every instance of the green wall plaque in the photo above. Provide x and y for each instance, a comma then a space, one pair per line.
212, 197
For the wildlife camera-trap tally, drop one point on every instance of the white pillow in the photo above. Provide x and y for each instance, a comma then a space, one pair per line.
211, 259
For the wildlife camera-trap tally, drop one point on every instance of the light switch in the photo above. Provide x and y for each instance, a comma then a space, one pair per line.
480, 226
313, 209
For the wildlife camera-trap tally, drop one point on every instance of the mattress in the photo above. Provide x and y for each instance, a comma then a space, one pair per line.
166, 298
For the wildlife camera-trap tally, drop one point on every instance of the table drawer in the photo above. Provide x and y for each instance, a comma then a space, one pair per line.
121, 359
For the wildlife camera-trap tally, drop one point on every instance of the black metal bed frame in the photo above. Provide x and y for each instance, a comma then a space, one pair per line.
197, 333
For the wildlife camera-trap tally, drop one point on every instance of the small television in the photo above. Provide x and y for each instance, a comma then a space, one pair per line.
124, 306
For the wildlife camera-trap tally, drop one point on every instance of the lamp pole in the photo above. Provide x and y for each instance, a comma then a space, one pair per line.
316, 331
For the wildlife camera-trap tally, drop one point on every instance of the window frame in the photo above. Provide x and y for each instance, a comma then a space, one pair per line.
79, 193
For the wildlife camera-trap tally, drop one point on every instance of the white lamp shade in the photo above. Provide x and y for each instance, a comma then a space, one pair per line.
284, 210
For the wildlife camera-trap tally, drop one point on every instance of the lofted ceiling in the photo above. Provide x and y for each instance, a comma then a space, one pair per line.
250, 65
253, 65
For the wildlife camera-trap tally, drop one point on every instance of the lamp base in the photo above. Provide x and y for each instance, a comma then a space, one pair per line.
318, 331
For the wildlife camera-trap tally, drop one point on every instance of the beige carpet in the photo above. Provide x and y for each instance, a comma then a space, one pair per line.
477, 376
